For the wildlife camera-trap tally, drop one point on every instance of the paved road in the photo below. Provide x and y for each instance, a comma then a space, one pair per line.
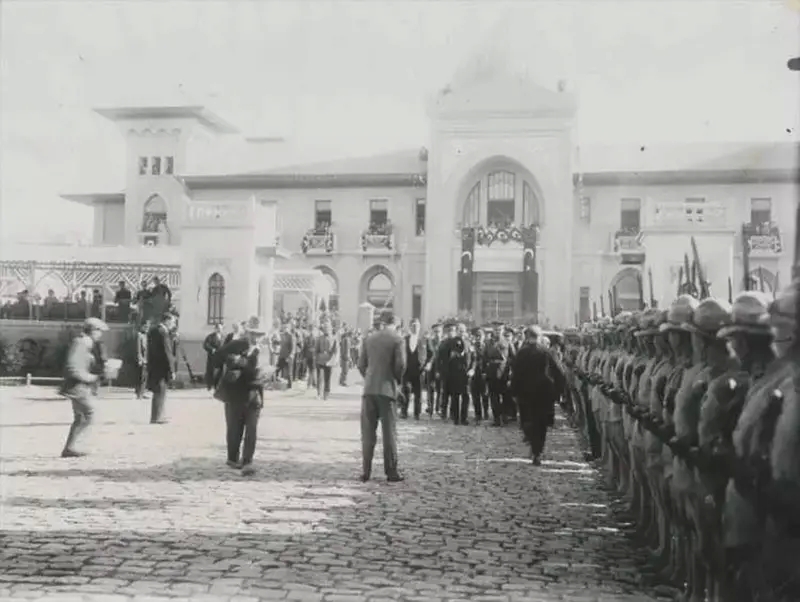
154, 513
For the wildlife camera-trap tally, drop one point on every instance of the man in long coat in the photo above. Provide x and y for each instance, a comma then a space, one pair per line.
160, 364
532, 385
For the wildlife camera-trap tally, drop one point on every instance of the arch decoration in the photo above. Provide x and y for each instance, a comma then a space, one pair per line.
332, 302
155, 228
627, 290
378, 287
216, 299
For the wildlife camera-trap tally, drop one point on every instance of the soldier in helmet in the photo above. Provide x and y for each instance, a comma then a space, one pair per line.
711, 361
614, 416
782, 537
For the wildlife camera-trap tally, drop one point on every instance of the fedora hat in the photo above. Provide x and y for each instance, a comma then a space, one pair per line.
253, 326
679, 313
749, 315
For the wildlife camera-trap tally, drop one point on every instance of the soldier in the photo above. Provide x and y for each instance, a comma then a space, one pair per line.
709, 316
434, 380
480, 396
459, 362
497, 365
782, 537
743, 518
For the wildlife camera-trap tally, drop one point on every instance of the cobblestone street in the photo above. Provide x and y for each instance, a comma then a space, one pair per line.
154, 512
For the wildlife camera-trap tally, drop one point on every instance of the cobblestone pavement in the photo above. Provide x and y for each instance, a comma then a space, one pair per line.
154, 513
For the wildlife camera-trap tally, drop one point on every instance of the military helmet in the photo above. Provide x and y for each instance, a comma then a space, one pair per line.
679, 313
649, 322
782, 313
711, 315
749, 315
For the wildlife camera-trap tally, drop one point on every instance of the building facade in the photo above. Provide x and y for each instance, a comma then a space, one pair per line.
502, 216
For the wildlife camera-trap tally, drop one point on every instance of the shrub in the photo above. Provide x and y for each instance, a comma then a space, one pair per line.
11, 360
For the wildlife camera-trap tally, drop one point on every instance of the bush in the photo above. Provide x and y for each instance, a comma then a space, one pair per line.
11, 359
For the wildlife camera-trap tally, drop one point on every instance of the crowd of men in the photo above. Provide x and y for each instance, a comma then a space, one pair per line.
694, 413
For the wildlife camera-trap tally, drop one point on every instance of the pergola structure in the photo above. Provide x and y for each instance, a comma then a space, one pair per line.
311, 285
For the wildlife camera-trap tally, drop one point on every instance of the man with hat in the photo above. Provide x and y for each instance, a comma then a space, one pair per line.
497, 366
708, 318
160, 365
433, 376
480, 397
534, 391
241, 389
743, 520
79, 376
382, 363
459, 367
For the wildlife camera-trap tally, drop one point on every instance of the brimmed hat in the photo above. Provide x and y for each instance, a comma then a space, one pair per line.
679, 313
253, 326
532, 331
782, 314
749, 315
648, 323
90, 324
710, 316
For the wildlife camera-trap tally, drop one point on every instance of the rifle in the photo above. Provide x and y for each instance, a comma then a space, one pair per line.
611, 309
640, 284
602, 307
594, 311
653, 302
745, 258
730, 290
687, 273
680, 281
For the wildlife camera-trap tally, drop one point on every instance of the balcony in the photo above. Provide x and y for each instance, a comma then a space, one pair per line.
628, 244
505, 235
153, 239
378, 239
763, 240
318, 241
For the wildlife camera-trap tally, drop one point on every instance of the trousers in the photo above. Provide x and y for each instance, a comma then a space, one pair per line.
374, 409
82, 414
158, 401
241, 420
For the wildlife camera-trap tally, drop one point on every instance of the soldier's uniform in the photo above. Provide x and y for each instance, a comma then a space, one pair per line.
497, 365
478, 390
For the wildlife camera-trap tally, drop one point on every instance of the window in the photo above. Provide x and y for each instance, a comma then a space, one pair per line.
169, 165
378, 212
584, 311
322, 214
530, 206
586, 209
630, 215
333, 298
760, 211
142, 166
416, 302
694, 209
380, 291
156, 166
500, 198
216, 298
419, 217
154, 221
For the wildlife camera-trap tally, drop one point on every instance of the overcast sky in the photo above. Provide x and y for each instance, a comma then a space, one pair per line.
345, 79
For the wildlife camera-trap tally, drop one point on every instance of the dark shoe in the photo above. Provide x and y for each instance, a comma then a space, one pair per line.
537, 461
248, 470
416, 416
71, 453
364, 478
497, 423
395, 478
234, 464
403, 415
464, 423
162, 421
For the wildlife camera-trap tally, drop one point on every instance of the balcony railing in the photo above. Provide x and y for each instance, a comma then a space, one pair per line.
628, 243
153, 239
318, 241
493, 234
378, 238
763, 240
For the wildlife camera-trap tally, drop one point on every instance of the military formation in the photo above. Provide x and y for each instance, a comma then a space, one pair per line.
693, 414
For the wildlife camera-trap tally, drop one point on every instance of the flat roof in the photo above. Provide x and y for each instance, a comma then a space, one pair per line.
91, 198
209, 119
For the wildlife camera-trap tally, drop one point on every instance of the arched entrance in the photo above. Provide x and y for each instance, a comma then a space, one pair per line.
330, 276
377, 288
626, 290
761, 279
499, 213
154, 222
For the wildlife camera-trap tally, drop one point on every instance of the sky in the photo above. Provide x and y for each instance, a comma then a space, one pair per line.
346, 79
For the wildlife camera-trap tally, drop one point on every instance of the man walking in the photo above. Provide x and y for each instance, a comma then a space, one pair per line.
160, 366
382, 363
416, 357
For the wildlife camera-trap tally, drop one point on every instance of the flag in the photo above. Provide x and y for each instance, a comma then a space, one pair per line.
530, 278
465, 274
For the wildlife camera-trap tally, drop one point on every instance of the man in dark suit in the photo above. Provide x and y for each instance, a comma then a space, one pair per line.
416, 356
434, 378
382, 363
160, 365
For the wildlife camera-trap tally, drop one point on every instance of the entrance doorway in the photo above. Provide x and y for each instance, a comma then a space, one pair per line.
498, 296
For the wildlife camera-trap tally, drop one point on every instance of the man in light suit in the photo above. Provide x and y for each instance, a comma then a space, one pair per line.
382, 363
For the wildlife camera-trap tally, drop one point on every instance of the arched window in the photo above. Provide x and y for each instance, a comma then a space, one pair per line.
216, 298
500, 198
762, 280
154, 221
333, 304
530, 206
380, 291
627, 291
472, 208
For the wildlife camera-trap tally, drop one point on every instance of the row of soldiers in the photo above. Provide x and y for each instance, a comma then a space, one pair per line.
694, 414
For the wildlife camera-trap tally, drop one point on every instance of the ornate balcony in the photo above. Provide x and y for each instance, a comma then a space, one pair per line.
628, 244
318, 241
763, 240
507, 234
378, 239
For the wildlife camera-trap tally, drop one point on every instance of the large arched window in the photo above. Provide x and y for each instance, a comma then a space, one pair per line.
154, 221
762, 280
501, 198
380, 291
216, 298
